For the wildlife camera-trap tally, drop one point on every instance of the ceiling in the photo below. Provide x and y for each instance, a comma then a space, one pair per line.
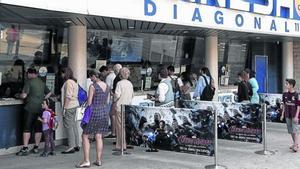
52, 19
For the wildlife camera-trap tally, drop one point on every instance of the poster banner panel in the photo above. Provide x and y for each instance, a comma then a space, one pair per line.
236, 121
274, 109
181, 130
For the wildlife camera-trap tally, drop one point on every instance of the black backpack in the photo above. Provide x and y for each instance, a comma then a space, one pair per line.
208, 91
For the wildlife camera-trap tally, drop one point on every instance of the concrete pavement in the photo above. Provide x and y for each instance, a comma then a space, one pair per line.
234, 155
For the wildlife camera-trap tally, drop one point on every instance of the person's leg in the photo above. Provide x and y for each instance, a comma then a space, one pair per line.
47, 140
76, 134
290, 130
28, 123
69, 125
26, 137
295, 136
52, 144
113, 120
9, 47
86, 148
37, 138
99, 147
118, 130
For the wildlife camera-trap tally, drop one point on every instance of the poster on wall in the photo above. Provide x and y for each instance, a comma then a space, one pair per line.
240, 122
181, 130
126, 49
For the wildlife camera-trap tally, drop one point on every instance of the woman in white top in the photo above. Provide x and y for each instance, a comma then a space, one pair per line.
123, 96
69, 99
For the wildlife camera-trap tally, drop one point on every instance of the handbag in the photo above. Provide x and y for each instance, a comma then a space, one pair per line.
86, 116
80, 112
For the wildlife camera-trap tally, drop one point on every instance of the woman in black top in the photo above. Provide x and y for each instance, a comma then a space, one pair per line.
243, 90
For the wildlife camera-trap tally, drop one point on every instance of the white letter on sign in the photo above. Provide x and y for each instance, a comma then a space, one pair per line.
263, 9
240, 5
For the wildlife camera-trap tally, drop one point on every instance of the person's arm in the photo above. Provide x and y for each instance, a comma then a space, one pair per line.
118, 92
199, 87
295, 119
44, 118
25, 91
68, 94
90, 95
283, 108
66, 99
297, 114
47, 92
239, 92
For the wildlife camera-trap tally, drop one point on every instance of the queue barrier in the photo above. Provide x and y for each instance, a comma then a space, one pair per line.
259, 130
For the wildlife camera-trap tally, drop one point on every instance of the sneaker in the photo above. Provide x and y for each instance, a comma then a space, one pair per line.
52, 153
44, 154
77, 148
295, 148
35, 149
152, 150
110, 136
23, 152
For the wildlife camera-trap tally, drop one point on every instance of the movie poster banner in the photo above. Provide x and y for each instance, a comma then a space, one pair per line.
274, 109
181, 130
236, 121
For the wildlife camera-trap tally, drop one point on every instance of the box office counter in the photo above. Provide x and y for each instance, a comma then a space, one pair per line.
11, 125
11, 115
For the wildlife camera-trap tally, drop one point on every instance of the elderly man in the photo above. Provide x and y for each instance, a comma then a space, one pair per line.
111, 80
123, 96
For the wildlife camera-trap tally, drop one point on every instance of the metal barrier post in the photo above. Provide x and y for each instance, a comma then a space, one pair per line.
264, 133
216, 166
122, 128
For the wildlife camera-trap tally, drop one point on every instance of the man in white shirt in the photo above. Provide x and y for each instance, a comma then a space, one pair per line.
164, 93
175, 81
113, 71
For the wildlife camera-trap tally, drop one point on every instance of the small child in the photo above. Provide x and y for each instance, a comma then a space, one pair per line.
291, 111
47, 130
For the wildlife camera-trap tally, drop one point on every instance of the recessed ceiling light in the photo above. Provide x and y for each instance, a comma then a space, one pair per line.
185, 31
131, 27
257, 37
67, 21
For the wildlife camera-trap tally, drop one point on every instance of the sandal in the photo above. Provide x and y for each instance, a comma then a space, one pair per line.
83, 165
97, 163
295, 148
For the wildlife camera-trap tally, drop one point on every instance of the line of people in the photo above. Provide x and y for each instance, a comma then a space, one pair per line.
247, 87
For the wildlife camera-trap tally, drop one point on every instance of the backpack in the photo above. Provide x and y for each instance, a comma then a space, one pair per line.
53, 123
82, 95
250, 91
208, 91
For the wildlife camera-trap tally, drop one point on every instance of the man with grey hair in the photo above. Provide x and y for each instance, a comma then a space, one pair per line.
114, 71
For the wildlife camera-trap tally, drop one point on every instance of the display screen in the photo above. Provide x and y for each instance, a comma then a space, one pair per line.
126, 49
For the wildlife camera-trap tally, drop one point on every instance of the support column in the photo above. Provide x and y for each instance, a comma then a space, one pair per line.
287, 62
211, 60
77, 53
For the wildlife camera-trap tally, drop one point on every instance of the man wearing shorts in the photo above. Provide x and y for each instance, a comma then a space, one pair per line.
34, 92
291, 112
